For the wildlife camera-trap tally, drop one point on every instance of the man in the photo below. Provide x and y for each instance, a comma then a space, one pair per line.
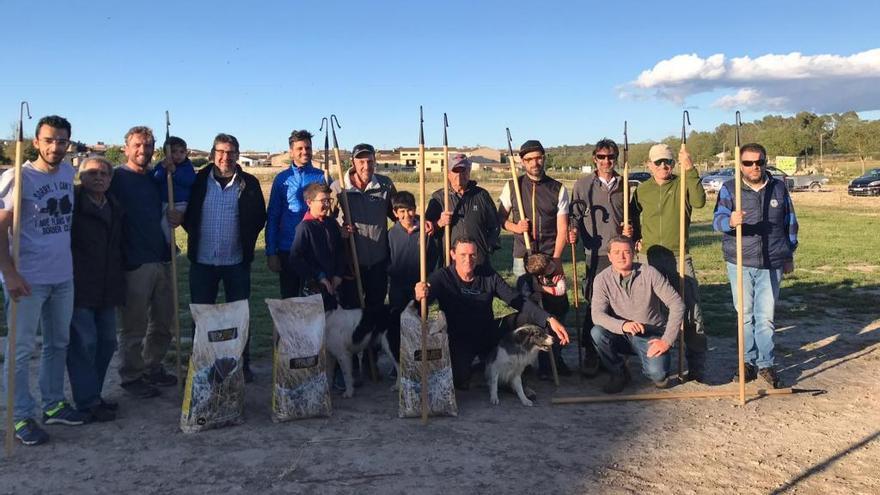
629, 304
42, 283
546, 203
369, 201
769, 230
472, 211
224, 217
149, 307
465, 291
601, 193
99, 287
545, 222
287, 208
656, 205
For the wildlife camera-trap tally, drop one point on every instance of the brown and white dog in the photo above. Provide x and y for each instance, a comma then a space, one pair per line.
508, 360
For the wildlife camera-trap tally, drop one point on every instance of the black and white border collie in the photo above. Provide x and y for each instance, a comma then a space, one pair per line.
507, 361
350, 331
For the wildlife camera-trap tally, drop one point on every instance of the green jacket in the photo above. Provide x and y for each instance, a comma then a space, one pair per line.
654, 210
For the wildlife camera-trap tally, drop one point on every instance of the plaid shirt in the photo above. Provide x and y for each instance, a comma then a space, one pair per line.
220, 242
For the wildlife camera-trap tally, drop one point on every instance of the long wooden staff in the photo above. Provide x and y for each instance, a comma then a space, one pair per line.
516, 191
175, 320
625, 176
13, 304
682, 234
423, 268
326, 167
575, 218
740, 311
346, 212
447, 231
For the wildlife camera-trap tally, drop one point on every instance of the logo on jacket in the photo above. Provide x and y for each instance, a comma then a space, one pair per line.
774, 203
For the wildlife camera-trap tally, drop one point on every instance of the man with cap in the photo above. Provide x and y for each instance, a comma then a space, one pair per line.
287, 209
369, 201
655, 205
545, 220
472, 211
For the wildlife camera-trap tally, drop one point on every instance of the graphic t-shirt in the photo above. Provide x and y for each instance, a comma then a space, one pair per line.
46, 217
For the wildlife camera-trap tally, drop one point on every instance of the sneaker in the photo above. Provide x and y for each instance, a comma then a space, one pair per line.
28, 432
158, 377
751, 374
140, 389
663, 384
591, 362
63, 414
101, 414
616, 383
769, 376
248, 374
109, 405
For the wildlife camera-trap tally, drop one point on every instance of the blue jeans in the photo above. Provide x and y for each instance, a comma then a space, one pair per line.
49, 307
92, 344
204, 287
760, 292
612, 347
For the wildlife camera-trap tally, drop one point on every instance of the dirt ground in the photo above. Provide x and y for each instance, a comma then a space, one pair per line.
805, 443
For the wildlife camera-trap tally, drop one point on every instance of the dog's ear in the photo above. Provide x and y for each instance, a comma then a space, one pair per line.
521, 335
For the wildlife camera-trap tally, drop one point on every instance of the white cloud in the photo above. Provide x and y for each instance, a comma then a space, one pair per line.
779, 82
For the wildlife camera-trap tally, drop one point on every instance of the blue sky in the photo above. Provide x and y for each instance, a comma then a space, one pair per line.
548, 70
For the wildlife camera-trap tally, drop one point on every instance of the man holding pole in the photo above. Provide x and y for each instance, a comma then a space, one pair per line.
223, 220
149, 304
42, 283
656, 207
770, 229
472, 211
287, 208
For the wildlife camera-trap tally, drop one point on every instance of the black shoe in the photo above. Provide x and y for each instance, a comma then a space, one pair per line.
158, 377
695, 375
140, 389
591, 362
101, 414
769, 376
616, 383
663, 384
248, 374
751, 374
109, 405
63, 414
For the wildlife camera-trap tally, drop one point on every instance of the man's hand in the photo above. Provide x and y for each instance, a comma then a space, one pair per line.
520, 227
657, 347
572, 236
559, 330
445, 219
685, 159
16, 285
788, 267
336, 281
348, 229
638, 245
328, 286
274, 263
168, 163
633, 328
175, 218
626, 230
429, 228
736, 218
422, 290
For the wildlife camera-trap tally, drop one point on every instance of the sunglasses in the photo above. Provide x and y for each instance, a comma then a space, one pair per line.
606, 157
663, 162
753, 163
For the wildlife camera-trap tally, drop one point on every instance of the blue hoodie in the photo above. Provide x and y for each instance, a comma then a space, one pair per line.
184, 176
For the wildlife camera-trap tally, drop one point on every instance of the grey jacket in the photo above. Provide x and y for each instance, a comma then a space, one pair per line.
370, 211
604, 213
649, 292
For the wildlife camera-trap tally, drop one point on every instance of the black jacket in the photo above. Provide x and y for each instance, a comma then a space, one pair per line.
96, 245
251, 212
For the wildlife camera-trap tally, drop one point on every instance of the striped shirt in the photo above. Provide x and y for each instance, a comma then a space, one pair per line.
220, 242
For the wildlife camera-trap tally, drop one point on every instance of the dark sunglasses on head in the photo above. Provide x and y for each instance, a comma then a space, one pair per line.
753, 163
606, 157
663, 162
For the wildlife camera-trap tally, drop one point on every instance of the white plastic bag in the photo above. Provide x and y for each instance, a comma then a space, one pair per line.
441, 392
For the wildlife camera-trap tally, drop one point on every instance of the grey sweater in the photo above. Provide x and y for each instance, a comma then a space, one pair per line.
649, 293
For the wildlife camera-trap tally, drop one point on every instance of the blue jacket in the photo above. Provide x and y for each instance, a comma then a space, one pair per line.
184, 177
287, 206
769, 228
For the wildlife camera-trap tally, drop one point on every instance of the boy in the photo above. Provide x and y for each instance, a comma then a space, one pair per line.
316, 255
545, 287
403, 242
183, 174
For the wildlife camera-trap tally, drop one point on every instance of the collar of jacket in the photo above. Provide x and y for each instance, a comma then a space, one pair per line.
372, 185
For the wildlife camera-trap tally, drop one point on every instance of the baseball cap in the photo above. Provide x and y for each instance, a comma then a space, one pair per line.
362, 149
459, 161
529, 146
660, 152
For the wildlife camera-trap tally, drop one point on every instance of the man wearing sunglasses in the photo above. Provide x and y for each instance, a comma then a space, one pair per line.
656, 206
225, 215
602, 194
769, 230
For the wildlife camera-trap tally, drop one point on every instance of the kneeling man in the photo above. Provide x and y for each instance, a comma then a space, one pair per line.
629, 316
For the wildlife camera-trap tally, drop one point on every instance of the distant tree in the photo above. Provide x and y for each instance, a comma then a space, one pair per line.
858, 136
115, 155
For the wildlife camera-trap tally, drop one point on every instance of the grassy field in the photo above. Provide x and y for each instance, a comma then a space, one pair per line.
837, 265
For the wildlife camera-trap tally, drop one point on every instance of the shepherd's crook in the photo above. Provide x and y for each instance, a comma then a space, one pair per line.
325, 126
447, 231
575, 218
175, 320
516, 191
682, 235
13, 305
346, 212
740, 311
625, 176
423, 268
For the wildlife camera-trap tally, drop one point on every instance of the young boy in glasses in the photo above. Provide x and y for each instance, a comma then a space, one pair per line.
655, 208
317, 253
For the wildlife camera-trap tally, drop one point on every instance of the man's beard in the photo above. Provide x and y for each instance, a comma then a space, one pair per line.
45, 159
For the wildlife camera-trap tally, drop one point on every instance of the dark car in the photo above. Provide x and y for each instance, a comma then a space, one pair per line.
636, 178
784, 177
866, 185
713, 181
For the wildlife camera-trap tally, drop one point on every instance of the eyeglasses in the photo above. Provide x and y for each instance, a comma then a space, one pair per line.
664, 162
323, 201
753, 163
606, 157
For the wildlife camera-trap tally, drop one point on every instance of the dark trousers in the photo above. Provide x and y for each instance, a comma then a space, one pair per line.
289, 280
204, 287
557, 306
374, 280
468, 343
595, 264
92, 344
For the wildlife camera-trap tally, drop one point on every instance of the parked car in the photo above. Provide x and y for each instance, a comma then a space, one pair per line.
713, 181
812, 182
779, 174
636, 178
866, 185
